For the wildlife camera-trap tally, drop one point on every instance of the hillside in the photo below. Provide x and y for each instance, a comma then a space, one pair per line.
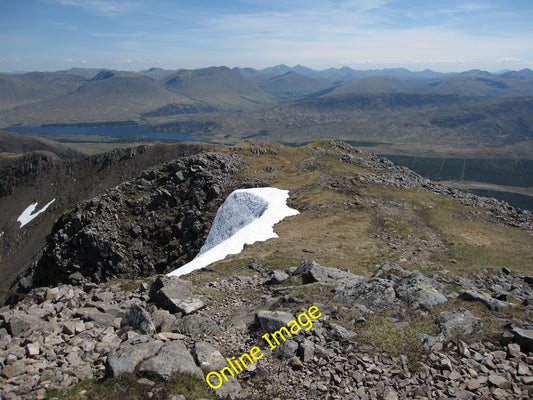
472, 85
289, 86
401, 279
18, 89
12, 145
109, 96
220, 87
410, 122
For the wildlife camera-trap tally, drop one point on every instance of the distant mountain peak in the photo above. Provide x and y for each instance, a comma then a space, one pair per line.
106, 74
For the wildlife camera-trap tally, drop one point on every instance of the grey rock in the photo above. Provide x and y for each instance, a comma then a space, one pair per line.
288, 348
427, 340
524, 337
372, 291
194, 325
139, 319
129, 354
416, 290
277, 276
94, 315
306, 350
208, 357
341, 332
387, 267
271, 321
22, 323
173, 357
458, 322
314, 272
491, 303
173, 294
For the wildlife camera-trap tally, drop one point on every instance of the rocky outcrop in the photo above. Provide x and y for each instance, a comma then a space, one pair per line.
149, 225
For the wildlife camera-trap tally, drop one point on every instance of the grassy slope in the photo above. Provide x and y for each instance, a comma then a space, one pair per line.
356, 227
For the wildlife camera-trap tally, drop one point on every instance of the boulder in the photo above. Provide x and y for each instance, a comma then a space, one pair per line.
524, 337
129, 354
416, 290
372, 291
139, 319
208, 357
271, 321
173, 294
277, 276
23, 324
194, 325
490, 302
314, 272
173, 357
458, 322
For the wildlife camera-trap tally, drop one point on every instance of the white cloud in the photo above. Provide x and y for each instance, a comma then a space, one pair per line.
107, 8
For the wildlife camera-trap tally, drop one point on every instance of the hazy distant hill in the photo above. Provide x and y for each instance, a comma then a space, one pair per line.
17, 89
349, 74
219, 87
293, 85
109, 96
87, 73
415, 120
14, 144
157, 73
474, 84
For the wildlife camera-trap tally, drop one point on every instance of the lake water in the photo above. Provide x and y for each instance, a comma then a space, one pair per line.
134, 131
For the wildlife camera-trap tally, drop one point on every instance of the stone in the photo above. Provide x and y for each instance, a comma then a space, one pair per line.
139, 319
416, 290
95, 316
172, 357
23, 324
196, 325
271, 321
15, 369
306, 350
514, 350
473, 384
376, 292
390, 394
288, 348
277, 276
32, 349
172, 293
129, 354
295, 363
208, 357
499, 381
341, 332
524, 337
458, 322
491, 303
314, 272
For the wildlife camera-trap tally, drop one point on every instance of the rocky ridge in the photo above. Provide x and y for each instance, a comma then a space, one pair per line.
148, 225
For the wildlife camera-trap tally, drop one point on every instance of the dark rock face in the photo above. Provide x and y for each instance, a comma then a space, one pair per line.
149, 225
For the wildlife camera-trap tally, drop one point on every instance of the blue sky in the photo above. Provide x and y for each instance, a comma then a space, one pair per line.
445, 35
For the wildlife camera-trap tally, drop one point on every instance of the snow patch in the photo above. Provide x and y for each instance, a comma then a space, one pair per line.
246, 216
28, 215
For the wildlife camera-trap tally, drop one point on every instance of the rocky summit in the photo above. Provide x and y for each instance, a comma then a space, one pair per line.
385, 286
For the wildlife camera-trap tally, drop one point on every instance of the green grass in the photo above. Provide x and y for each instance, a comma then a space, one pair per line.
381, 333
128, 387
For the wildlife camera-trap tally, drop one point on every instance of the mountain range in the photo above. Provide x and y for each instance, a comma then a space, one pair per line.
98, 95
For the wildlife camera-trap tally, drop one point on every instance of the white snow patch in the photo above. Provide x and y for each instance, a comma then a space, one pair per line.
247, 216
28, 215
